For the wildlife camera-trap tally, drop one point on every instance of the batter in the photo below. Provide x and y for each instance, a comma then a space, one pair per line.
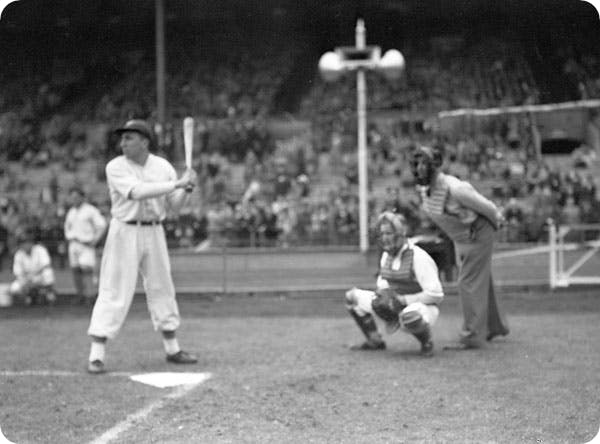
142, 186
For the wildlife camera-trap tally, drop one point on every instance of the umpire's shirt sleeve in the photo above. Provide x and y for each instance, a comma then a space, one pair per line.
469, 197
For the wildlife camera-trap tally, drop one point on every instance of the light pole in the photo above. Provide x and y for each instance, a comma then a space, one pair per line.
360, 58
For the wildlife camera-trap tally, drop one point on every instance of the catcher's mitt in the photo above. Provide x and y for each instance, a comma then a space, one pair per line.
386, 305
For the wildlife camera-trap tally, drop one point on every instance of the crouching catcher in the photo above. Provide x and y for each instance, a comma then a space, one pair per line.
408, 290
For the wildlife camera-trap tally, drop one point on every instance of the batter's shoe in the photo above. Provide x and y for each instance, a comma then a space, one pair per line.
96, 367
182, 357
369, 344
427, 349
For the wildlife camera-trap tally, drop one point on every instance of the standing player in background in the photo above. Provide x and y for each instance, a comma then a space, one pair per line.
84, 227
408, 290
142, 186
470, 220
32, 267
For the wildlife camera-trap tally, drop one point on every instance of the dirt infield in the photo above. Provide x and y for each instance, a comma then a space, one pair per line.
283, 373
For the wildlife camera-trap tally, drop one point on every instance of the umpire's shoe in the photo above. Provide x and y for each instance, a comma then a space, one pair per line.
369, 344
96, 367
182, 357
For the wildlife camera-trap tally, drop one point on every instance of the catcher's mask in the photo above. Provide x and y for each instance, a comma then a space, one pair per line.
397, 222
424, 164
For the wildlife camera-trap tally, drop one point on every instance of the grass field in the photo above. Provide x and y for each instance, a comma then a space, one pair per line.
282, 373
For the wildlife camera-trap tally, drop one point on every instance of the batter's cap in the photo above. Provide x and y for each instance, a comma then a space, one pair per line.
138, 126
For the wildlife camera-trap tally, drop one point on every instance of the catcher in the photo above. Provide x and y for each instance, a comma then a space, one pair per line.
408, 290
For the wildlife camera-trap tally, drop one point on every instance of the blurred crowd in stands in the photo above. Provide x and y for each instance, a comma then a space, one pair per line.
257, 189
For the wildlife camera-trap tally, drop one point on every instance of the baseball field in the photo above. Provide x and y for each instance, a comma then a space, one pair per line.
275, 367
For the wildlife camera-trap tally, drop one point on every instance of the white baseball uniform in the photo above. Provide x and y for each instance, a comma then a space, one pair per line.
34, 269
135, 244
84, 225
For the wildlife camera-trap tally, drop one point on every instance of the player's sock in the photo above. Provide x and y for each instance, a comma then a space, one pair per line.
97, 351
171, 345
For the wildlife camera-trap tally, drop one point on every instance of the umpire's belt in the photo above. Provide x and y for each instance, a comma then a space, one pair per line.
143, 222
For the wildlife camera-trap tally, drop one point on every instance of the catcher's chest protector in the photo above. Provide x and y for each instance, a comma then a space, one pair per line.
403, 280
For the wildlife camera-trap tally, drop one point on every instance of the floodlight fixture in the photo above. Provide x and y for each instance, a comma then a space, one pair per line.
360, 58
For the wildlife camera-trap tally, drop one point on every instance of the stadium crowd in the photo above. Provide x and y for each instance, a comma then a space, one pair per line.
257, 190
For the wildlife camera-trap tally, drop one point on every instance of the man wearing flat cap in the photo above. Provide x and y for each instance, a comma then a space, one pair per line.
142, 187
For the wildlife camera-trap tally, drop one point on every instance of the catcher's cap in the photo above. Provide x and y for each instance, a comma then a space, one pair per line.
397, 220
138, 126
432, 154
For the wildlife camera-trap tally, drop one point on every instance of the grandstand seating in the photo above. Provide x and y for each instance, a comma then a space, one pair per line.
235, 84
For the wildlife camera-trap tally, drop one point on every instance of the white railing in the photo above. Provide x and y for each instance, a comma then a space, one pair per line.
579, 251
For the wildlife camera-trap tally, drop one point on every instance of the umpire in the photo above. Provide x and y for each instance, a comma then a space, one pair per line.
470, 220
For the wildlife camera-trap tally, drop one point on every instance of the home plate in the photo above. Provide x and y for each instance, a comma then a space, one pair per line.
170, 379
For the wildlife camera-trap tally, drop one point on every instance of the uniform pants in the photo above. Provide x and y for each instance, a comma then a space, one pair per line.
82, 256
129, 250
478, 299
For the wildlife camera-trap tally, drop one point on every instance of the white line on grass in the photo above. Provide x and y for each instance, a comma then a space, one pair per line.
59, 373
111, 434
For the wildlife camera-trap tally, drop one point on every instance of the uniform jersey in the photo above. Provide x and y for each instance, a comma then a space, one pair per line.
31, 264
34, 267
84, 224
412, 273
123, 175
454, 205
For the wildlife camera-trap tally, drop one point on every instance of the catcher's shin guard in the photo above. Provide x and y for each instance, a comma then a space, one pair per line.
366, 323
415, 324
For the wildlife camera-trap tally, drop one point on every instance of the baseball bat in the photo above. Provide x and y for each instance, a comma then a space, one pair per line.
188, 144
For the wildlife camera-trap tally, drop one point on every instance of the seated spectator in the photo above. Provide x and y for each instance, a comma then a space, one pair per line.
34, 277
514, 215
319, 224
590, 211
303, 222
571, 213
4, 250
283, 181
303, 184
